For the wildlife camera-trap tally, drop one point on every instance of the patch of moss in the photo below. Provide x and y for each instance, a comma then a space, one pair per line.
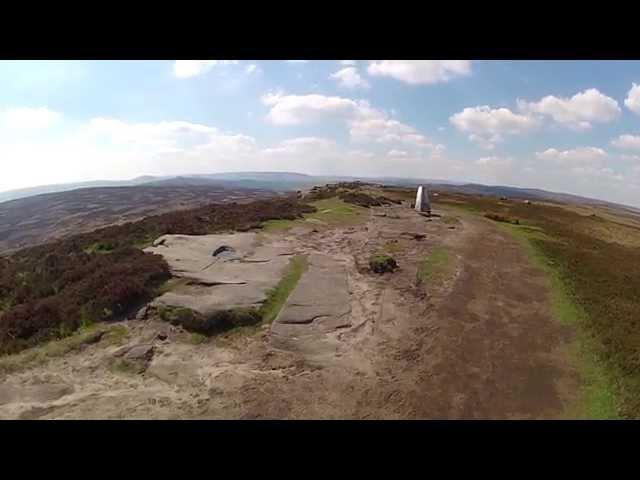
217, 322
434, 264
382, 263
116, 335
100, 248
277, 296
329, 211
198, 338
55, 348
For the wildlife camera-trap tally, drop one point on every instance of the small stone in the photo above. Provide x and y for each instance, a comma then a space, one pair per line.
159, 242
121, 351
162, 336
140, 352
142, 313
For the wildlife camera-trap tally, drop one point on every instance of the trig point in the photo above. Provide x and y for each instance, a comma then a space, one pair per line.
422, 201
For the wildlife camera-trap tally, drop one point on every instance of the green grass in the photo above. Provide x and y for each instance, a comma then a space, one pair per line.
101, 248
277, 225
596, 397
436, 263
277, 296
198, 339
330, 212
57, 348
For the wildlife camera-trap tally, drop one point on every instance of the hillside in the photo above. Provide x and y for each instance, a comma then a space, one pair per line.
487, 308
32, 220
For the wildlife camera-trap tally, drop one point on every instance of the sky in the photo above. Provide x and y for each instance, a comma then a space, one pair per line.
568, 126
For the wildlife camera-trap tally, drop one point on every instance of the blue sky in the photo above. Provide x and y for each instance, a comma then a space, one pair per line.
571, 126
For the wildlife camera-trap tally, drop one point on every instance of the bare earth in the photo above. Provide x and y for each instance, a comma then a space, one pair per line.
475, 340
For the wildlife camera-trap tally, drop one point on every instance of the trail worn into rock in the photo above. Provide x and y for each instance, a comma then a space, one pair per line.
472, 339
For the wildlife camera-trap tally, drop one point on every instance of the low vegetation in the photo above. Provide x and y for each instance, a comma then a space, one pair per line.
105, 334
433, 265
501, 218
277, 296
382, 263
364, 200
328, 212
594, 287
48, 291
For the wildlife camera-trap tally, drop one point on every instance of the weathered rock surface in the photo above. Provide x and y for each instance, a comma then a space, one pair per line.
237, 277
319, 303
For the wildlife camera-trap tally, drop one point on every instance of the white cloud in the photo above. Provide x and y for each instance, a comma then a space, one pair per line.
632, 101
296, 61
581, 157
487, 126
349, 78
299, 109
192, 68
371, 124
494, 162
578, 112
420, 72
365, 123
297, 146
348, 62
158, 137
26, 118
397, 153
252, 68
627, 142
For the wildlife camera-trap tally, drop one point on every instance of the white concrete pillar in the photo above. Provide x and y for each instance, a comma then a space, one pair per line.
422, 200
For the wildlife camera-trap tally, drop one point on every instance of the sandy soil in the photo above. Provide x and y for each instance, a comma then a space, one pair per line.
474, 341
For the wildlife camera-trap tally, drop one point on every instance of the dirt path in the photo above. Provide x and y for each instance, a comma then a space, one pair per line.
475, 340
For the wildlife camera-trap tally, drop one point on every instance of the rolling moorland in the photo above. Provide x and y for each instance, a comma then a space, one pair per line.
36, 219
494, 307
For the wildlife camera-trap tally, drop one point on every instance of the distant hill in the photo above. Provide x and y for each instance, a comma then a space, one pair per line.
32, 220
286, 181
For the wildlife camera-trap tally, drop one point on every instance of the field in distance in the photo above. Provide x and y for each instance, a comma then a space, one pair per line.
30, 221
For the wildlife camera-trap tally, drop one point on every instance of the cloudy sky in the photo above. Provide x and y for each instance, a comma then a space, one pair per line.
571, 126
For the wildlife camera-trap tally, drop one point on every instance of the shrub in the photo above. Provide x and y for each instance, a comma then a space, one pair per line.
382, 263
49, 290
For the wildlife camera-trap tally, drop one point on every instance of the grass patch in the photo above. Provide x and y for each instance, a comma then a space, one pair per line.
198, 338
596, 397
277, 296
500, 218
116, 335
100, 248
435, 264
329, 212
382, 263
58, 348
277, 225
